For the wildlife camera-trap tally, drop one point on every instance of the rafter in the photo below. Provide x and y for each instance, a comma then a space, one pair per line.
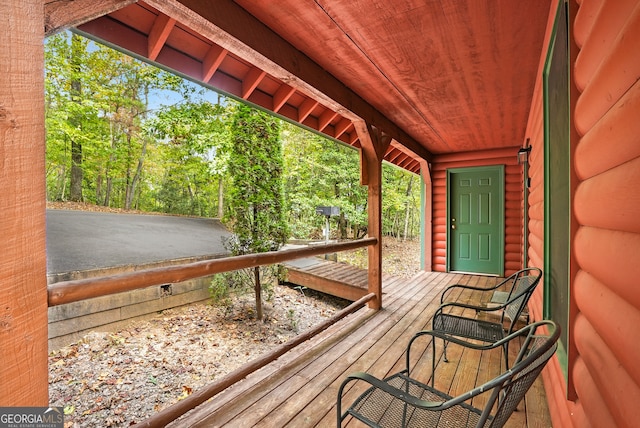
306, 108
251, 81
325, 119
342, 126
281, 96
212, 61
159, 33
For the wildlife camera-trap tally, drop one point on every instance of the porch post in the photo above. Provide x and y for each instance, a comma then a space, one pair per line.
374, 145
23, 281
426, 241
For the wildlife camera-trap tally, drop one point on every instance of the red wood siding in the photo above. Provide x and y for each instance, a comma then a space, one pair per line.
605, 297
513, 203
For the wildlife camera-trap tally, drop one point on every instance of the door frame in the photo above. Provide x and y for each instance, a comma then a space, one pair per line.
501, 210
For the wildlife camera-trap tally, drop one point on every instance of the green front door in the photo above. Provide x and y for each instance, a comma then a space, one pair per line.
475, 221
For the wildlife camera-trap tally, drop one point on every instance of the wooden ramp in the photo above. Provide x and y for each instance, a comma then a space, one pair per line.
334, 278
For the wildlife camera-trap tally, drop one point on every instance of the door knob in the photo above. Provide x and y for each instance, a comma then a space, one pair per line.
453, 226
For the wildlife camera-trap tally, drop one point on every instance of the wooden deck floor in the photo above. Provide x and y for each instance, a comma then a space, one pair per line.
299, 389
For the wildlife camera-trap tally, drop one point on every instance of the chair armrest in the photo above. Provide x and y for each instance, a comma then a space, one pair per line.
453, 339
511, 278
467, 287
484, 308
398, 393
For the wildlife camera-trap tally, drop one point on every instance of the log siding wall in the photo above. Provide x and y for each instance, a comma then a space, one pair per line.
513, 203
604, 377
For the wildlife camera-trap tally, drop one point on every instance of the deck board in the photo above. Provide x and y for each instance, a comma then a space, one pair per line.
299, 389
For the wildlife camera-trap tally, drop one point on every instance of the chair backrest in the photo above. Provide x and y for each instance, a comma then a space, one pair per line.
534, 354
525, 282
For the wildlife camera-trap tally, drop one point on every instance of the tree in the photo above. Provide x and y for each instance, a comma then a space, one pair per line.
255, 206
97, 102
195, 139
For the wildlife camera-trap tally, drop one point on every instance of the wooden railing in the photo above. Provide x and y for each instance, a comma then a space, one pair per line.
71, 291
80, 289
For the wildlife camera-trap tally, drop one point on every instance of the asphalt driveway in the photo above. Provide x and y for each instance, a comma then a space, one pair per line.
84, 240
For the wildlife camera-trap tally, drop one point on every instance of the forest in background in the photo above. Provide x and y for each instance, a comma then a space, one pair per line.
124, 134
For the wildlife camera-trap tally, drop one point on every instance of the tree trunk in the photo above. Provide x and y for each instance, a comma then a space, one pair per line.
406, 208
342, 225
107, 192
220, 198
75, 189
131, 191
128, 180
258, 292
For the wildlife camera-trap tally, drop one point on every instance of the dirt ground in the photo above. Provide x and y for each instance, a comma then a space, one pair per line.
122, 377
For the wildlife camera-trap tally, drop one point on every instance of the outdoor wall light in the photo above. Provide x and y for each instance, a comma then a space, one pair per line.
523, 155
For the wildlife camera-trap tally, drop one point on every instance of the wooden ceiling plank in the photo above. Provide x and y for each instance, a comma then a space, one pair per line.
212, 61
306, 108
162, 26
281, 96
60, 15
251, 81
114, 32
325, 119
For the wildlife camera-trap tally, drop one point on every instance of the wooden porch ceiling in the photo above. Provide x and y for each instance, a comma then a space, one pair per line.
437, 76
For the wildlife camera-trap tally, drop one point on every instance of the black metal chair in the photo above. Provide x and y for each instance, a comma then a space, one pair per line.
402, 401
520, 287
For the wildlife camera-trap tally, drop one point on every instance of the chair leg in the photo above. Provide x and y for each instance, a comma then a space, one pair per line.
444, 352
506, 355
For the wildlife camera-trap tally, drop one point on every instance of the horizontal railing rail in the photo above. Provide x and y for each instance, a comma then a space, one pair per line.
75, 290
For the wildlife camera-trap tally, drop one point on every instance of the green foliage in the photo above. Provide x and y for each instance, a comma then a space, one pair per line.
178, 157
97, 107
227, 285
255, 206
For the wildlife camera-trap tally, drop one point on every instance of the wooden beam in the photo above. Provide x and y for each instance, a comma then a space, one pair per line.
23, 265
374, 145
251, 81
232, 27
159, 33
212, 61
60, 15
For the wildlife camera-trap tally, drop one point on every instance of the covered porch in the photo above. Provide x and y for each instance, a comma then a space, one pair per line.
299, 388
